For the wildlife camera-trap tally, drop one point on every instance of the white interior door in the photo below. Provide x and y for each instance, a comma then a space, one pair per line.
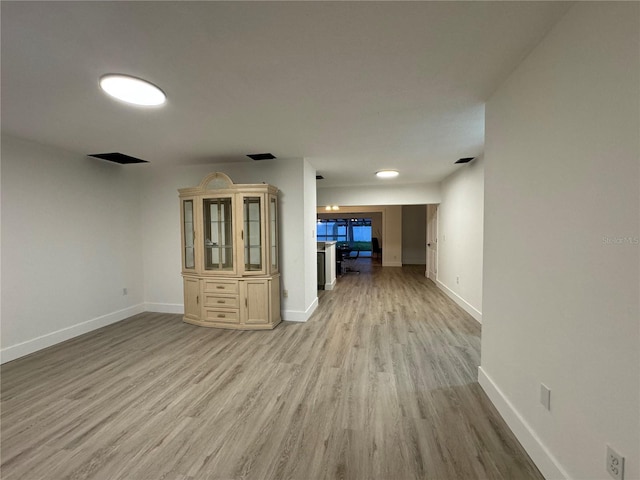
432, 242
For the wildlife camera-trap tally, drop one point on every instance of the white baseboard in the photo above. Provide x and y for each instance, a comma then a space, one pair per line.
539, 453
289, 315
330, 286
30, 346
300, 316
164, 307
462, 303
391, 264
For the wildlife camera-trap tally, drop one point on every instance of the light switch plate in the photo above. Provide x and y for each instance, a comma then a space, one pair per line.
545, 396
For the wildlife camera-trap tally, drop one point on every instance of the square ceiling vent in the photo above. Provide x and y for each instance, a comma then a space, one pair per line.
117, 157
465, 160
261, 156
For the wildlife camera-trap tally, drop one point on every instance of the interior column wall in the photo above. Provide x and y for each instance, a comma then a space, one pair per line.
310, 242
460, 236
561, 251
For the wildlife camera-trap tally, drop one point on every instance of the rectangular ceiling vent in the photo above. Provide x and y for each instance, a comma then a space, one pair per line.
261, 156
117, 157
319, 177
465, 160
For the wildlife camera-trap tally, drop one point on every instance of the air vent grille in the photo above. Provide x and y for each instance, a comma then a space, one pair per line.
465, 160
261, 156
117, 157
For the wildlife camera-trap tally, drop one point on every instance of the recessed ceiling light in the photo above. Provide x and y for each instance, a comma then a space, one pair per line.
132, 90
387, 173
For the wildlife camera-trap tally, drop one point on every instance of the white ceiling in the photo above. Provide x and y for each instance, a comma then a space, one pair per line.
351, 86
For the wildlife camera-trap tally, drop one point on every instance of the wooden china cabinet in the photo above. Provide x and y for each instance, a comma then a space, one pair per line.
230, 254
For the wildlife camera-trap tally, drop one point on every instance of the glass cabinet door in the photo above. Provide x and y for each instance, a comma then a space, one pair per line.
188, 234
273, 233
218, 234
252, 233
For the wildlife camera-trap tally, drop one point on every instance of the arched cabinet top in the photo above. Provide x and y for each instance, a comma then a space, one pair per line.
216, 181
221, 182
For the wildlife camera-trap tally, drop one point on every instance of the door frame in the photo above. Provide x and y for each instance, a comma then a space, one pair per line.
432, 242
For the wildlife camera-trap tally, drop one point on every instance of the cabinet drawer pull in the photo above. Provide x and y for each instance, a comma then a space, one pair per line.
220, 315
220, 287
221, 301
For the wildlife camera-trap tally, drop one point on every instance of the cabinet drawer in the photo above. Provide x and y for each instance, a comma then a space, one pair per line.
213, 300
221, 316
220, 286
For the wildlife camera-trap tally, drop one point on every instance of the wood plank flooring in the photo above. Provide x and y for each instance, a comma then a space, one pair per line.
379, 384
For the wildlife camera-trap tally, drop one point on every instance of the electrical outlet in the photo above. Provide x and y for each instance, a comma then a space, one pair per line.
458, 279
124, 291
285, 293
545, 396
615, 464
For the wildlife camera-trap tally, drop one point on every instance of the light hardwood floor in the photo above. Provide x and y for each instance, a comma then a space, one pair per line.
379, 384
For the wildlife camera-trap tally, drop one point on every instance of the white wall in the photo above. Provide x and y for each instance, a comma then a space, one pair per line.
310, 242
460, 236
392, 233
382, 194
561, 253
77, 230
414, 234
161, 229
70, 244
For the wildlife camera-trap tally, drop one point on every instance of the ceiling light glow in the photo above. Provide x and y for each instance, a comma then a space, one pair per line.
132, 90
387, 173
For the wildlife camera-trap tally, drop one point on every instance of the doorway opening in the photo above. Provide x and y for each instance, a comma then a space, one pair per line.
356, 233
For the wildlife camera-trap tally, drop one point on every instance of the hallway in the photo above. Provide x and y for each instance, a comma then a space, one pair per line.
380, 383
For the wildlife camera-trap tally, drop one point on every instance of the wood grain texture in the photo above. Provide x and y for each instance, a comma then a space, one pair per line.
379, 384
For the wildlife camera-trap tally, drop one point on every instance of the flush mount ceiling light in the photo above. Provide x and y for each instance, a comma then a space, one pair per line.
132, 90
387, 173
